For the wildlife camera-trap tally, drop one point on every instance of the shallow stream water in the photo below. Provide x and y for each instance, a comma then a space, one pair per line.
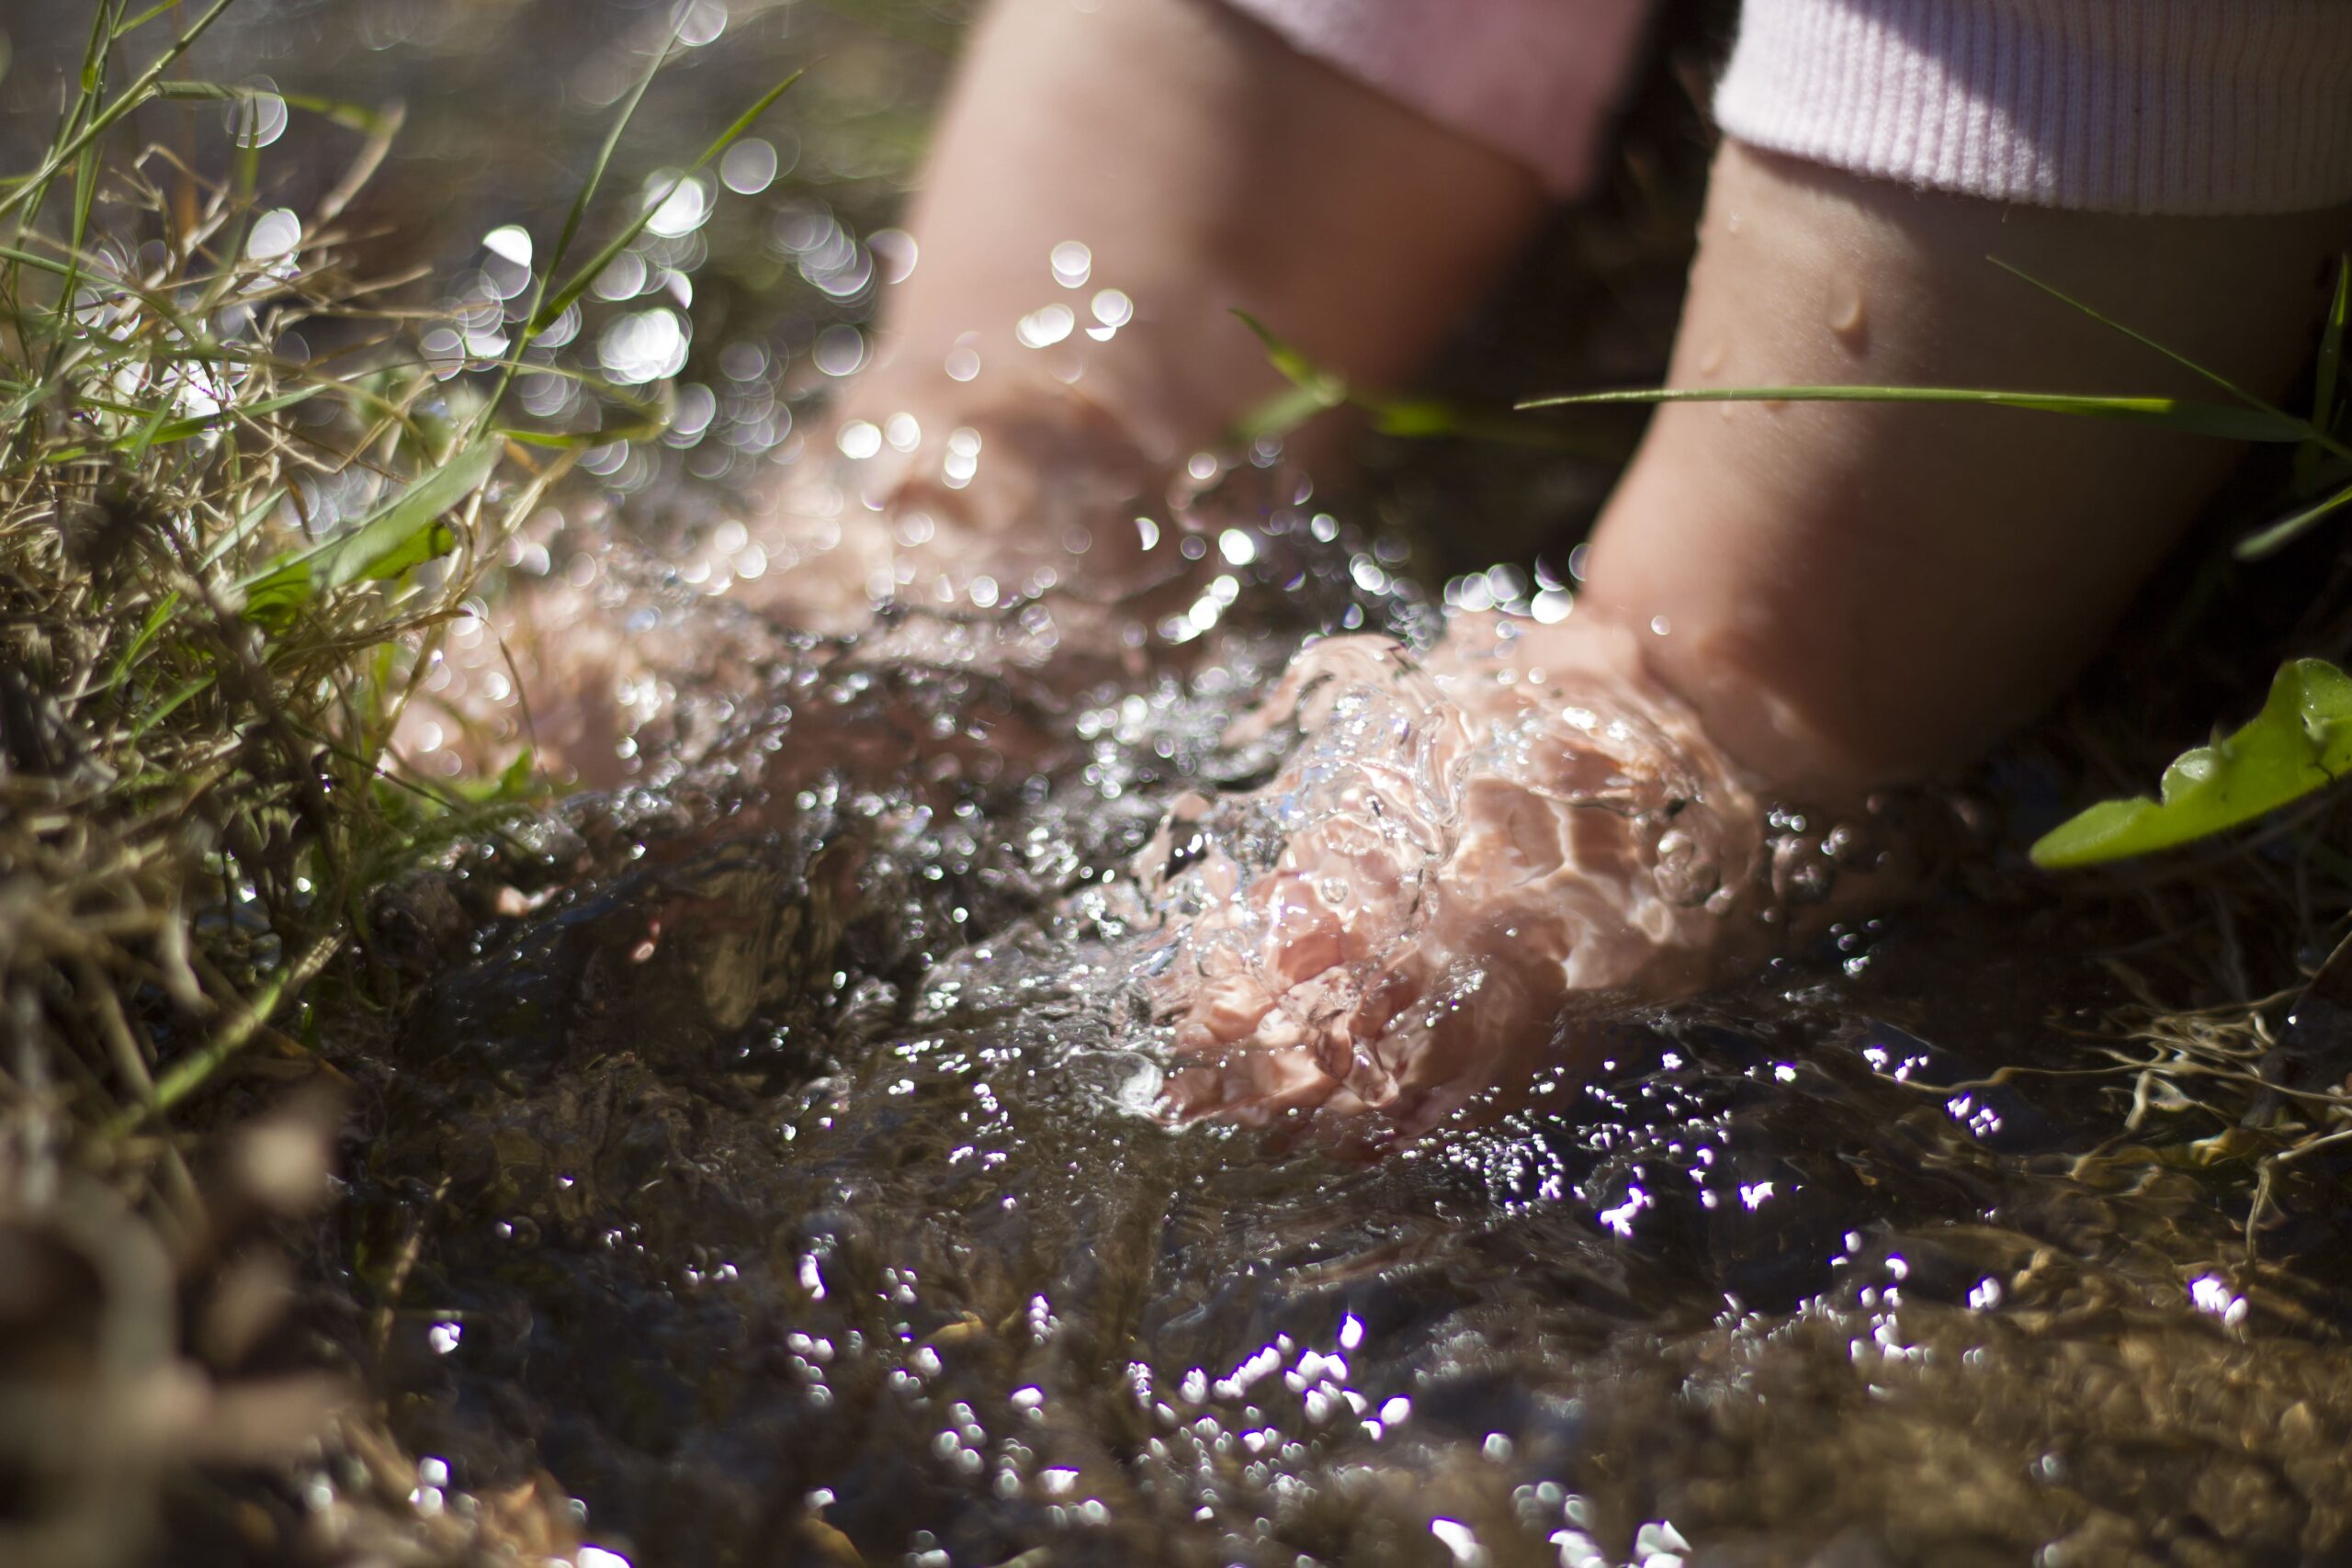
766, 1154
785, 1186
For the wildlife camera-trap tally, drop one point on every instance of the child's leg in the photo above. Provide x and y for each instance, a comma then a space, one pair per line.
1851, 593
1203, 164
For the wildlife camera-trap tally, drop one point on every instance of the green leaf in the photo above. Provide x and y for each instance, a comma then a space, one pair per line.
2301, 742
537, 318
584, 440
166, 708
405, 533
1278, 415
2165, 413
518, 784
94, 63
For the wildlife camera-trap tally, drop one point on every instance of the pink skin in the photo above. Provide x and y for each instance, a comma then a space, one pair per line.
1457, 844
1849, 596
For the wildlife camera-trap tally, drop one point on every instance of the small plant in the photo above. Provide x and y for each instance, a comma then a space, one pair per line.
2299, 744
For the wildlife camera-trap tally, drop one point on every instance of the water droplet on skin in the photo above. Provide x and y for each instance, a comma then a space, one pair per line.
1847, 318
1711, 359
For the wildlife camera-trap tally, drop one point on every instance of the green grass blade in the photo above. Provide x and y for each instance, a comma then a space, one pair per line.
78, 109
2142, 338
124, 29
190, 1072
399, 537
2328, 377
1327, 387
1423, 418
578, 214
172, 703
1280, 415
162, 431
101, 45
85, 191
561, 300
196, 425
138, 93
537, 318
583, 440
2300, 743
240, 531
351, 117
1314, 390
162, 305
2164, 413
157, 618
48, 264
137, 445
2254, 547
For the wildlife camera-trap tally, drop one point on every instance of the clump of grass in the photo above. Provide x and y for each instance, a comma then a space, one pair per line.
197, 684
210, 617
227, 559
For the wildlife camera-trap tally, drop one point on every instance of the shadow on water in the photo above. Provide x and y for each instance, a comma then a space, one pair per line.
763, 1154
